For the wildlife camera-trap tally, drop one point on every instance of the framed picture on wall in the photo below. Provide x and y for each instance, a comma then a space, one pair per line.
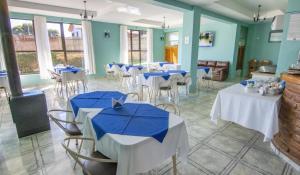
275, 36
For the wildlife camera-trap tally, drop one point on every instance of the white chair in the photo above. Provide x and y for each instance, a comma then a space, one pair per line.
109, 73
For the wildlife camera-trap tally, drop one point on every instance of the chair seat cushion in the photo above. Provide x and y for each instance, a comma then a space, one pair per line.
99, 168
206, 78
72, 129
165, 88
181, 83
126, 75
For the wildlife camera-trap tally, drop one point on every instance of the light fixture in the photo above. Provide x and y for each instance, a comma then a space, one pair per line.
84, 14
256, 18
164, 26
130, 10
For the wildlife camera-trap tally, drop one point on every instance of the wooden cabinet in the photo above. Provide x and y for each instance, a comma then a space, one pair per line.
171, 54
287, 140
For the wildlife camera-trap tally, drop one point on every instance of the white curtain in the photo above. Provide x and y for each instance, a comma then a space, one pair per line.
43, 46
123, 45
88, 47
149, 46
2, 61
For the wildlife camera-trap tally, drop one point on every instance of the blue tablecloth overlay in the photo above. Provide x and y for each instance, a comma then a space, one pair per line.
163, 63
164, 75
206, 69
118, 64
67, 69
138, 67
182, 72
3, 73
97, 99
132, 119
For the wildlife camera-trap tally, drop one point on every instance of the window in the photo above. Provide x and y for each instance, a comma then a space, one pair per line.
172, 38
137, 46
24, 42
66, 44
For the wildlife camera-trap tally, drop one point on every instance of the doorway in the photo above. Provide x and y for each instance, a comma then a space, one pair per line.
241, 51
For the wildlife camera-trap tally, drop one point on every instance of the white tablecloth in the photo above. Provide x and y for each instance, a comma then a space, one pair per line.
136, 154
171, 67
4, 82
250, 110
70, 76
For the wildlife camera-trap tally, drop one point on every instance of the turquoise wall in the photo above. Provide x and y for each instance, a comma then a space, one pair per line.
258, 46
288, 53
107, 50
223, 48
158, 45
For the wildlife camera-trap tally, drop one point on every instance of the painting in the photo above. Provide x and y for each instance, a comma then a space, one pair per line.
206, 39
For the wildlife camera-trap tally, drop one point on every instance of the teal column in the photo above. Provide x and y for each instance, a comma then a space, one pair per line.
189, 44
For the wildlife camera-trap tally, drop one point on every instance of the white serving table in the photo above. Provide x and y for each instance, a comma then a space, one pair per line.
136, 154
250, 110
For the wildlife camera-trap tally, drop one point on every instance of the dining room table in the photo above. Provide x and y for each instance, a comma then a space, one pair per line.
248, 109
139, 136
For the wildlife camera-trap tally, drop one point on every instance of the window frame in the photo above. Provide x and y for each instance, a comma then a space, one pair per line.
63, 41
140, 50
27, 51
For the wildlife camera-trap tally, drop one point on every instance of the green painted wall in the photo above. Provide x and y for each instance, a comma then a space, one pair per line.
106, 50
158, 45
288, 53
223, 48
258, 46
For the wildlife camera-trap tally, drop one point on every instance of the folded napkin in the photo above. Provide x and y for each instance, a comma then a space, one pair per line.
117, 103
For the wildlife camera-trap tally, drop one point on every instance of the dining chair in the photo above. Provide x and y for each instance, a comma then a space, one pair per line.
208, 79
134, 94
5, 91
170, 86
94, 164
185, 82
108, 72
169, 107
70, 128
58, 80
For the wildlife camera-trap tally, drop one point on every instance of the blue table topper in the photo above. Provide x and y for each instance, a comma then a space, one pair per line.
182, 72
67, 69
164, 75
118, 64
132, 119
3, 74
206, 69
97, 99
131, 66
163, 63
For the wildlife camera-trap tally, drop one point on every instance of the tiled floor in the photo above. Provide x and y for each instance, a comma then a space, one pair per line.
225, 148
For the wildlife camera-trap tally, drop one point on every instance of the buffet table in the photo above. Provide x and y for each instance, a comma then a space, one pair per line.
250, 110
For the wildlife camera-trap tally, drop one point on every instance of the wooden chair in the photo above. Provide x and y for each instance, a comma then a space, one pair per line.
93, 164
169, 107
252, 66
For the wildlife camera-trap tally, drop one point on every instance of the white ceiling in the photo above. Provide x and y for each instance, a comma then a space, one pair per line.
107, 11
145, 12
242, 9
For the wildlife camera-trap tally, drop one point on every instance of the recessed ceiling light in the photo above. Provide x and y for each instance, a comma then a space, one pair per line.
130, 10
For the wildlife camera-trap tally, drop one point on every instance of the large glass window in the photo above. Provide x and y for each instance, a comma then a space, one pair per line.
137, 46
66, 44
24, 42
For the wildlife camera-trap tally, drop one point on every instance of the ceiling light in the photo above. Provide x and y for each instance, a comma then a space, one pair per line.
256, 18
84, 14
129, 10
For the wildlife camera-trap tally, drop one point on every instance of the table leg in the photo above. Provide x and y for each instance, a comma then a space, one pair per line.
174, 164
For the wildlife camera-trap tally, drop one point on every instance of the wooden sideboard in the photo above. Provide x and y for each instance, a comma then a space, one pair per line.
287, 140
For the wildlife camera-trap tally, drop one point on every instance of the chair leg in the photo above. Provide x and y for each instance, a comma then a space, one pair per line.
80, 146
174, 164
